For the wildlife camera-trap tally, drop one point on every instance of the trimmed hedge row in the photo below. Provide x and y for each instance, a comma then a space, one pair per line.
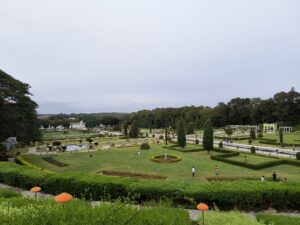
54, 162
22, 161
247, 195
225, 158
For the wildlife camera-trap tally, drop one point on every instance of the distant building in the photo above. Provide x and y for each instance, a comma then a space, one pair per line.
78, 126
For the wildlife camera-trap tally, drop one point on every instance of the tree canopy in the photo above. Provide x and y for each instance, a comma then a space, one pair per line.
18, 116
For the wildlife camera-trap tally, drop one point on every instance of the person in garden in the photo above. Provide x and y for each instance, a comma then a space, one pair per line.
262, 178
193, 171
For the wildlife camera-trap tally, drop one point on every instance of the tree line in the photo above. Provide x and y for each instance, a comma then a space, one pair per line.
283, 107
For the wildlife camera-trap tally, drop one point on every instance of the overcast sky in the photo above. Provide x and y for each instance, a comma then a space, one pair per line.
128, 55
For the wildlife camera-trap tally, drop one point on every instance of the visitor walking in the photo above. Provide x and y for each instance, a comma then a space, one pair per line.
274, 176
262, 178
193, 171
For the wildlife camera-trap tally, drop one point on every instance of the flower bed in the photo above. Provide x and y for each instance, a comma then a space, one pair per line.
167, 159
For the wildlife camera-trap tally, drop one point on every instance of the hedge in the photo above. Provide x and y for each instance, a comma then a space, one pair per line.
22, 161
246, 195
225, 158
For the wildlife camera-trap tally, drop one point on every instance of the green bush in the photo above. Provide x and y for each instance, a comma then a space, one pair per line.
247, 195
253, 150
45, 212
56, 143
145, 146
270, 219
220, 144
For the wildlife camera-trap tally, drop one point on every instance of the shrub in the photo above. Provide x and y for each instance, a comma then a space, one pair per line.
298, 155
250, 141
197, 142
56, 143
161, 137
220, 144
145, 146
253, 150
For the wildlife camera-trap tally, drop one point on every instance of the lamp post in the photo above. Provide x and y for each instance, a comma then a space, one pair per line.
202, 207
35, 190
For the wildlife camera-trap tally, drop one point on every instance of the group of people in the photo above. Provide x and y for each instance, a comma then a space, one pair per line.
274, 178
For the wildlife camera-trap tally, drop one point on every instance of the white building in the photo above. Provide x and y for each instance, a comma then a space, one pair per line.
78, 126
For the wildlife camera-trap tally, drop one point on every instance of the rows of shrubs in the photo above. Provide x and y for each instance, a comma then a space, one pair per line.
44, 212
248, 195
225, 157
53, 161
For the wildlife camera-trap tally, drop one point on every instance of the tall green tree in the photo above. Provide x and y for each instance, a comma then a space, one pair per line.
134, 130
208, 136
18, 116
252, 134
180, 130
280, 136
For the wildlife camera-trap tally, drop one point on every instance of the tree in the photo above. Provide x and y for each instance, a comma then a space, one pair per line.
125, 128
134, 130
190, 128
181, 139
166, 135
252, 134
18, 116
280, 136
208, 136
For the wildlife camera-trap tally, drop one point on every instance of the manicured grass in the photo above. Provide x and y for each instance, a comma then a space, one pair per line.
270, 219
127, 160
288, 138
229, 218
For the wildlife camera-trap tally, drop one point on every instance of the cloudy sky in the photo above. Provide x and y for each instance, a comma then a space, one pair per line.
117, 55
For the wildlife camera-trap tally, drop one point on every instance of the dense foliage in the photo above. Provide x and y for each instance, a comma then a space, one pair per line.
145, 146
180, 130
18, 117
283, 107
208, 136
248, 195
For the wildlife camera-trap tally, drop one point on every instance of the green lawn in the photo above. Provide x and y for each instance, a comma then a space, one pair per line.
253, 159
126, 160
288, 138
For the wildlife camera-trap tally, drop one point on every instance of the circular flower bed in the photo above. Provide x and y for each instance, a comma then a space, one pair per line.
166, 159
